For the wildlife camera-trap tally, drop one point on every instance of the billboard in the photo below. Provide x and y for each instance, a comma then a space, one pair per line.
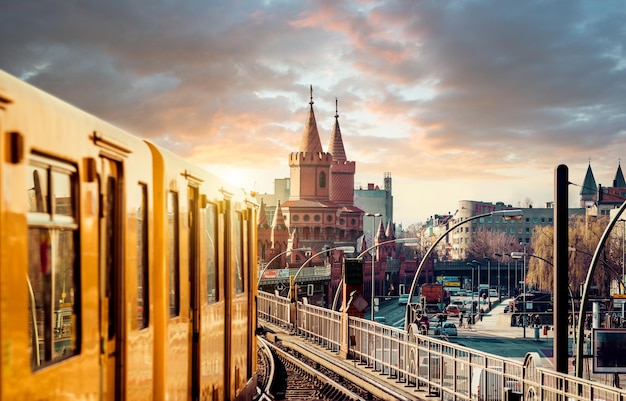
609, 350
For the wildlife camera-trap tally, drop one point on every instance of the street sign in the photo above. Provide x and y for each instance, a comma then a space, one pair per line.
619, 296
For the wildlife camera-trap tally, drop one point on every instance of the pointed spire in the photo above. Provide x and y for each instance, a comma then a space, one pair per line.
262, 216
619, 181
279, 218
363, 243
589, 185
381, 229
389, 231
311, 137
336, 143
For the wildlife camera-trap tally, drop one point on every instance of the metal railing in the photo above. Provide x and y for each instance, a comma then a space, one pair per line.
445, 369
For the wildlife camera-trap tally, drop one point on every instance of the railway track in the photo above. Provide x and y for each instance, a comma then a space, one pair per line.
297, 377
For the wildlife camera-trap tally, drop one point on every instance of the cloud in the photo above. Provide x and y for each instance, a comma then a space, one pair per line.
431, 91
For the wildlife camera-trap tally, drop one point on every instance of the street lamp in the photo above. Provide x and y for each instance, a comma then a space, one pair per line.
292, 279
488, 280
477, 263
499, 255
373, 216
522, 255
508, 275
470, 315
507, 214
276, 257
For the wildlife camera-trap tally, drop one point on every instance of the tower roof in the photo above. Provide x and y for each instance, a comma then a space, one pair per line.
589, 185
336, 143
381, 229
262, 216
279, 218
619, 181
311, 137
389, 231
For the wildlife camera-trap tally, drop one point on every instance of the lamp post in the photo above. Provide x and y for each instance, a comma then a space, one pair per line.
522, 255
488, 281
516, 282
508, 276
499, 255
477, 263
471, 315
276, 257
373, 216
292, 279
508, 214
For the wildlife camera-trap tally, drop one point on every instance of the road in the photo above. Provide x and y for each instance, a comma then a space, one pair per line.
493, 334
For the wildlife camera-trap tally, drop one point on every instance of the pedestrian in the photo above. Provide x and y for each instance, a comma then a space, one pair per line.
461, 320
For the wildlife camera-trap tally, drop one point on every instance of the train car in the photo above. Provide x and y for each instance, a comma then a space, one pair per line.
125, 272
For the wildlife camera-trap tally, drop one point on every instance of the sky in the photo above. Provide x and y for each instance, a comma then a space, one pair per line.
457, 100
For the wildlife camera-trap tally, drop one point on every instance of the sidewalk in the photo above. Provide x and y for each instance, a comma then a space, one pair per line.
498, 323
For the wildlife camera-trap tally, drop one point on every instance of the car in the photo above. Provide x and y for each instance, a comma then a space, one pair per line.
452, 310
493, 293
403, 299
460, 304
447, 329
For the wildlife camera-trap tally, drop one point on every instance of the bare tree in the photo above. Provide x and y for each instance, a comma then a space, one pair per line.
488, 243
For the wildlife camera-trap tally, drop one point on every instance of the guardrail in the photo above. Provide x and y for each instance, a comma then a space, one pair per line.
448, 370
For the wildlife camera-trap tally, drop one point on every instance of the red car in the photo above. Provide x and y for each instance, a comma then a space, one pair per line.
453, 310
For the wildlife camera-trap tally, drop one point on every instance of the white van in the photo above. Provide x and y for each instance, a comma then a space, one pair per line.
487, 385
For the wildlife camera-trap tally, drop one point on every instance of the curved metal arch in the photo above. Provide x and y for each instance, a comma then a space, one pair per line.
585, 295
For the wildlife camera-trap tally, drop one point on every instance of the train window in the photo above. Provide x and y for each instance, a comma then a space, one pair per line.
173, 252
143, 299
210, 229
238, 248
52, 261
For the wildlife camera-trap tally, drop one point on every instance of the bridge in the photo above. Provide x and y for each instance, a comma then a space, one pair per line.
429, 365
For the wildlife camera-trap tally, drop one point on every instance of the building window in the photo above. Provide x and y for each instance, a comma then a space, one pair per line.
307, 217
317, 217
295, 217
322, 180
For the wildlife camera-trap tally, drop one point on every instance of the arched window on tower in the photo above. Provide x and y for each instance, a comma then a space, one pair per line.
322, 180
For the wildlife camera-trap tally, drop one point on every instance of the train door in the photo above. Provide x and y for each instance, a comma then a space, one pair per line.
194, 292
111, 277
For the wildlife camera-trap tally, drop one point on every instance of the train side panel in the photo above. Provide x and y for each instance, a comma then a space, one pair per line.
49, 328
242, 274
132, 272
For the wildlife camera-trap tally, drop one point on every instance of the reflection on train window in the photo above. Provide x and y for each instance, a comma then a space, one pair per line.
210, 228
238, 250
52, 261
143, 299
173, 252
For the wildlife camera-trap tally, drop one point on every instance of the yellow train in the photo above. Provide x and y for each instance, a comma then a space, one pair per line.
126, 273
